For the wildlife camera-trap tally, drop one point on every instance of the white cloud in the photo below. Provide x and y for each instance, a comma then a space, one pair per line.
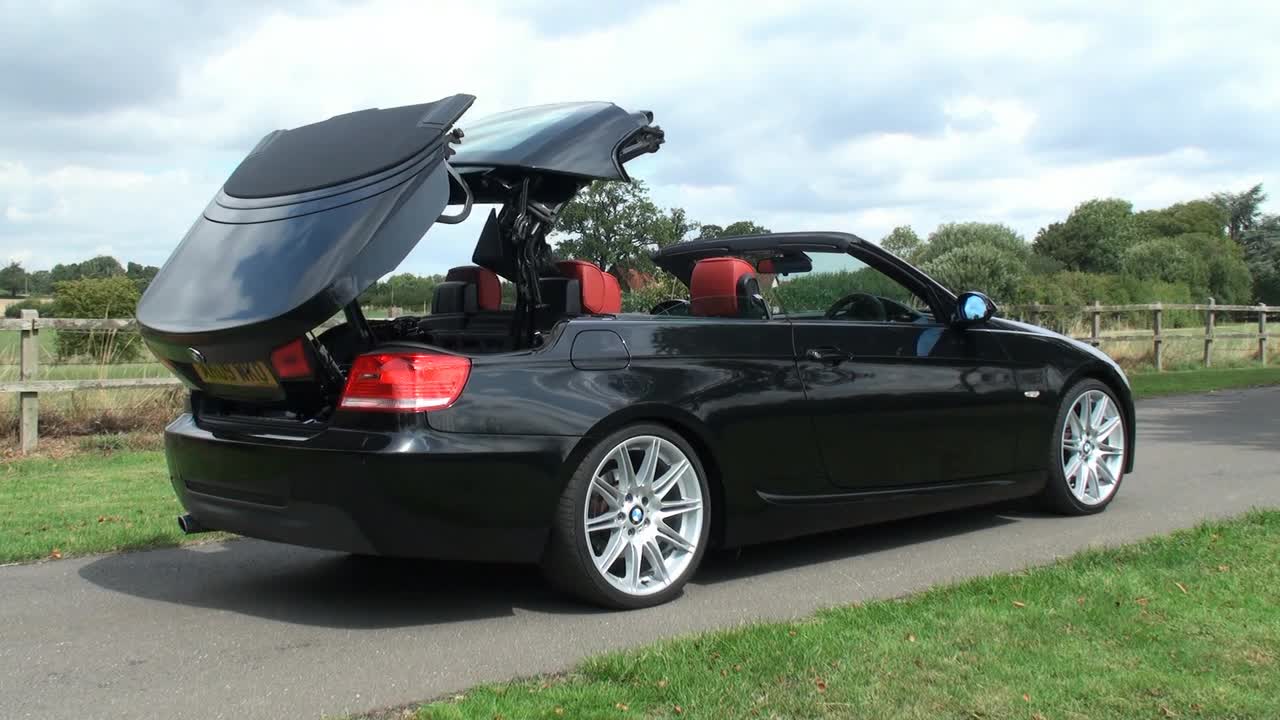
798, 115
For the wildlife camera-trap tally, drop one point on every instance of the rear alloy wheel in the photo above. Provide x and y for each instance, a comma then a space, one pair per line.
633, 521
1087, 453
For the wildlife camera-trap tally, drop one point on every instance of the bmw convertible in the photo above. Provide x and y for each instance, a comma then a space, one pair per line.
794, 383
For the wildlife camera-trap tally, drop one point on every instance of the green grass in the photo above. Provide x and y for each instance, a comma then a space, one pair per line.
89, 371
86, 503
1186, 626
1154, 384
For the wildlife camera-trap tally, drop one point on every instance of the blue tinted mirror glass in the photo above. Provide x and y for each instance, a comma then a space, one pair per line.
974, 308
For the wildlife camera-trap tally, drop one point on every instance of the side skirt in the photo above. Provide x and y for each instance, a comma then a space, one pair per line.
785, 516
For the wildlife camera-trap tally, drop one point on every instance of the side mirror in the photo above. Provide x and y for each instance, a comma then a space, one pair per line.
972, 308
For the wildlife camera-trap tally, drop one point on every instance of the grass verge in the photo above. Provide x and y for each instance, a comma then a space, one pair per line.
1155, 384
1184, 626
88, 502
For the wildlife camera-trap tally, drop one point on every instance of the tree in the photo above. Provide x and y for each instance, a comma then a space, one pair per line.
1093, 238
1166, 259
1242, 210
1262, 254
975, 256
404, 290
733, 229
902, 241
13, 280
953, 236
102, 266
112, 297
979, 266
141, 275
1229, 278
613, 224
40, 282
673, 227
1197, 216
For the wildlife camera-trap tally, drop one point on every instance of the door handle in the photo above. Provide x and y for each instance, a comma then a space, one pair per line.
829, 355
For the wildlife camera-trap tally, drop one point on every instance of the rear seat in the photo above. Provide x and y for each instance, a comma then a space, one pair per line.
598, 292
473, 295
466, 309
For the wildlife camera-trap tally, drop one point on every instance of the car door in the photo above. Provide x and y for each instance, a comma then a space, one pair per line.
898, 398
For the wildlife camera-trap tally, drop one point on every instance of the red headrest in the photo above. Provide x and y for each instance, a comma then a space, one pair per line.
713, 289
488, 288
612, 294
600, 290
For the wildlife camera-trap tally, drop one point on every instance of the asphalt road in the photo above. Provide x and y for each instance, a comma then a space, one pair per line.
247, 629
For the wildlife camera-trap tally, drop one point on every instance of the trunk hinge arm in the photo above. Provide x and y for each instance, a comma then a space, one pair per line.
526, 224
357, 320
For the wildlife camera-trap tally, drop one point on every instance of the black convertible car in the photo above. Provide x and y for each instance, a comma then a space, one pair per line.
796, 382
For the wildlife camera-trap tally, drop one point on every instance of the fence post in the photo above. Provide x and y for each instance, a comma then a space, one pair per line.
1262, 333
1208, 334
29, 402
1095, 337
1035, 314
1157, 325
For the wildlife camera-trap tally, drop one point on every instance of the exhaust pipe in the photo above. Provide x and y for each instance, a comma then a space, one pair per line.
190, 525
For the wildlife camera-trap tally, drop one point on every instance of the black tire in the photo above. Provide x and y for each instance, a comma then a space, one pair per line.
567, 561
1056, 495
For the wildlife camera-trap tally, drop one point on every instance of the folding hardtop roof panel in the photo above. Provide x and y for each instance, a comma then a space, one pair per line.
680, 258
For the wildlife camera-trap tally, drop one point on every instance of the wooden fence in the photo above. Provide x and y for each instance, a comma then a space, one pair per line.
29, 389
1157, 336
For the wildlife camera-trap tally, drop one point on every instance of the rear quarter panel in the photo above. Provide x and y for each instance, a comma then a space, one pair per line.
730, 386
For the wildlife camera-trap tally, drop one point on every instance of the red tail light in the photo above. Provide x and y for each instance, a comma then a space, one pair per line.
405, 382
290, 361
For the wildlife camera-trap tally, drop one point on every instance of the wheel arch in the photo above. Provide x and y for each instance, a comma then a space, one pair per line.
1110, 377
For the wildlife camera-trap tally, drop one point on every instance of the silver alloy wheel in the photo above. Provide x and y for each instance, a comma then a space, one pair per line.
643, 515
1093, 447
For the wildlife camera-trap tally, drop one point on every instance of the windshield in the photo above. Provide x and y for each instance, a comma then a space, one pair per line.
840, 285
828, 285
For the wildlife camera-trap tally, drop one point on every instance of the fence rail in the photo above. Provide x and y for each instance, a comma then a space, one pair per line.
30, 325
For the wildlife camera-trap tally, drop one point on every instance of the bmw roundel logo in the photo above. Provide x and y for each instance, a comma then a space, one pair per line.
637, 515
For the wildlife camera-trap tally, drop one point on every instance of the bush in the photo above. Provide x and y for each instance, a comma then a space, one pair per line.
1078, 289
94, 298
953, 236
1166, 259
14, 310
664, 287
993, 270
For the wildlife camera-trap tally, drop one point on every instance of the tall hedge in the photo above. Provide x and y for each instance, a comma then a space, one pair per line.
97, 298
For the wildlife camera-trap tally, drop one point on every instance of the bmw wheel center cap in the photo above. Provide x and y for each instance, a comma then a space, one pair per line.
637, 515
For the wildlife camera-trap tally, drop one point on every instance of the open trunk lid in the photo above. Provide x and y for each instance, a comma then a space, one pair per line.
314, 215
309, 219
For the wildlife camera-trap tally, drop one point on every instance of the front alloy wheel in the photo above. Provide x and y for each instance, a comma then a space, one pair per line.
639, 520
1088, 450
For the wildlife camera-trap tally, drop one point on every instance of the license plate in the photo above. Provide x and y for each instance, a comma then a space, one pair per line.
246, 374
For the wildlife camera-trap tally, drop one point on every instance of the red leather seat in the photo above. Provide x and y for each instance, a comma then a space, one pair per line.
725, 287
600, 290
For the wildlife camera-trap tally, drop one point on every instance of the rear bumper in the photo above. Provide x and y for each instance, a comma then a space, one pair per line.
411, 494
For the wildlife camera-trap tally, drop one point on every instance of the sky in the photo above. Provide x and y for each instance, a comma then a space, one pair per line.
120, 121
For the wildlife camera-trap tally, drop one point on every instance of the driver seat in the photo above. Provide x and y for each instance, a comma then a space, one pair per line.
726, 287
